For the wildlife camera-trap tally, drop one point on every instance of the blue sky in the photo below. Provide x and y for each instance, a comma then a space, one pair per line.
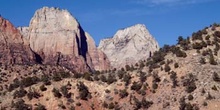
165, 19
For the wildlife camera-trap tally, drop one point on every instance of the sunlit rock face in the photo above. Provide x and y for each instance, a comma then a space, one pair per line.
58, 39
129, 45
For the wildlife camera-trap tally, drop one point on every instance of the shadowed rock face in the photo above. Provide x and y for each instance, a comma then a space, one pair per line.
58, 39
129, 45
13, 50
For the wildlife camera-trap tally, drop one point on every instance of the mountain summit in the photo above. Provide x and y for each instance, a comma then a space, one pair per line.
129, 45
57, 38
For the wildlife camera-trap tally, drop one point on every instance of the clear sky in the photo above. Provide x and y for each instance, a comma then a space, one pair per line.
165, 19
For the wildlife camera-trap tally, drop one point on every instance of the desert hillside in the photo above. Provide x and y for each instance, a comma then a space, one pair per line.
184, 76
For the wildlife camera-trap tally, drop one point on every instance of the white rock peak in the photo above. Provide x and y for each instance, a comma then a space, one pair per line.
57, 38
129, 45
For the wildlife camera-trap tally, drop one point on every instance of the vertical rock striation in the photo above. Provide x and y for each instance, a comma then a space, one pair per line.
57, 38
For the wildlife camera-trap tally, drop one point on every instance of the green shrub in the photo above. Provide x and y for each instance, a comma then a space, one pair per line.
56, 93
203, 91
64, 74
215, 77
57, 77
103, 78
189, 83
107, 91
45, 79
205, 52
143, 76
137, 103
136, 86
166, 48
214, 88
83, 91
178, 52
156, 78
184, 43
158, 56
20, 93
173, 77
154, 85
212, 60
111, 105
117, 107
32, 94
207, 37
142, 92
197, 35
40, 107
205, 104
197, 46
26, 82
190, 97
122, 69
20, 105
111, 79
141, 64
64, 91
14, 85
216, 49
87, 76
176, 65
180, 39
127, 67
43, 88
120, 74
126, 79
105, 105
96, 78
167, 68
204, 31
182, 103
123, 93
202, 61
72, 108
77, 75
145, 103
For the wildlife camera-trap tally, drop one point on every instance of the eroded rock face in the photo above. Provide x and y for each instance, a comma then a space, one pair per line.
13, 50
24, 32
57, 37
129, 45
95, 57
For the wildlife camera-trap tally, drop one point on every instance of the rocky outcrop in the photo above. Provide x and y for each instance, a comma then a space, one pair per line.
58, 39
24, 32
95, 57
13, 50
129, 45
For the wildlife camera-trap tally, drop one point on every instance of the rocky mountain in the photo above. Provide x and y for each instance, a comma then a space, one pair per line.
129, 45
185, 76
13, 49
58, 39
